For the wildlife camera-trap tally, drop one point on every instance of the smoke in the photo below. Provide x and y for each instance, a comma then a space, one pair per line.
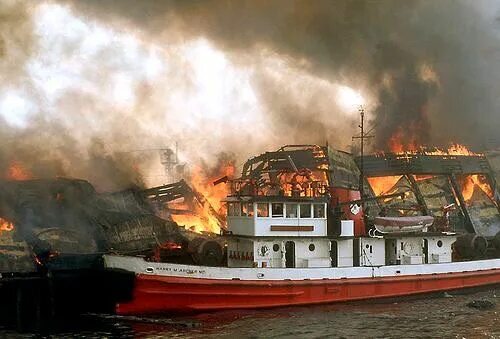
93, 89
380, 47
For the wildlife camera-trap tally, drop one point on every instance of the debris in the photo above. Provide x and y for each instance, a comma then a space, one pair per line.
481, 304
147, 320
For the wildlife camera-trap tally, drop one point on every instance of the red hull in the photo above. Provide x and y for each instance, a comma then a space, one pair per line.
156, 294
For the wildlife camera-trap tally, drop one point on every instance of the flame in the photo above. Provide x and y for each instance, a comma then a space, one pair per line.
396, 146
454, 149
305, 183
401, 143
381, 185
5, 226
202, 218
199, 222
203, 183
473, 182
17, 171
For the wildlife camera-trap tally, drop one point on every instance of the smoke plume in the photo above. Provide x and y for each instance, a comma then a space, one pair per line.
97, 86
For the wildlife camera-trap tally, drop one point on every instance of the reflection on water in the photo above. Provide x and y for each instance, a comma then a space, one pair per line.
444, 316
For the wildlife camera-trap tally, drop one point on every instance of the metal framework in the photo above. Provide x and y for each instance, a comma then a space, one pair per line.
451, 166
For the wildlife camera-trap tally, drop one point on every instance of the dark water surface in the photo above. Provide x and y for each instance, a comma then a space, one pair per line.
440, 316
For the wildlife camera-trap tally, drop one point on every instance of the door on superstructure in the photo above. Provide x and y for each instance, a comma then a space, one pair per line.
426, 251
334, 253
290, 254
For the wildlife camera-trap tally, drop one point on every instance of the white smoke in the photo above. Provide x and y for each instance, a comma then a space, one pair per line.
86, 81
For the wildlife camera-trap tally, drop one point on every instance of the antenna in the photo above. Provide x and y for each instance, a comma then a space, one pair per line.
362, 136
169, 159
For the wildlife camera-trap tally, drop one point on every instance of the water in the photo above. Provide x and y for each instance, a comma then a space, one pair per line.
441, 316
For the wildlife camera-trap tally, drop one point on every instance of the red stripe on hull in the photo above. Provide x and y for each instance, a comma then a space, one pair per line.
156, 294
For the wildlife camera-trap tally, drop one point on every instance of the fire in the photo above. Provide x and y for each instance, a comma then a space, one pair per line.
204, 184
396, 146
203, 218
17, 171
406, 141
202, 221
472, 182
454, 149
303, 183
5, 226
381, 185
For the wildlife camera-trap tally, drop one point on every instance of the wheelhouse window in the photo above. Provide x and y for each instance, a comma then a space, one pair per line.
291, 210
277, 210
263, 210
250, 209
247, 209
319, 210
305, 210
233, 209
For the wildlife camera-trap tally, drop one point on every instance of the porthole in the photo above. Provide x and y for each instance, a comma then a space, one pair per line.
440, 243
276, 247
367, 246
312, 247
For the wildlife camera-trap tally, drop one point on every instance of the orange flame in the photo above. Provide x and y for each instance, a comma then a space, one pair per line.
5, 226
203, 183
396, 145
303, 183
454, 149
17, 171
473, 182
381, 185
203, 219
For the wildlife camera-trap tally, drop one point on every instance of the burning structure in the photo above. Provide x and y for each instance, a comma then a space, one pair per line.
57, 230
306, 220
457, 187
53, 233
432, 181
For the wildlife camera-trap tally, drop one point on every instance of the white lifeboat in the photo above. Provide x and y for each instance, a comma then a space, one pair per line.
403, 224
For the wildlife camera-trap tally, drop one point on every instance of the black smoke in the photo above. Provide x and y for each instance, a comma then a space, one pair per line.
431, 64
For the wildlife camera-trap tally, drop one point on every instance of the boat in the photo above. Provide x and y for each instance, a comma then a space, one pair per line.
296, 239
402, 224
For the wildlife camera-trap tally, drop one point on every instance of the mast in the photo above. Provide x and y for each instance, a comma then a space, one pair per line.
362, 136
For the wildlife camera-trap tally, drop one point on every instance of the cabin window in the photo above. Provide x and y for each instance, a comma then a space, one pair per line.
247, 209
250, 209
276, 247
291, 210
262, 210
233, 209
312, 247
440, 243
319, 210
305, 210
277, 210
244, 209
